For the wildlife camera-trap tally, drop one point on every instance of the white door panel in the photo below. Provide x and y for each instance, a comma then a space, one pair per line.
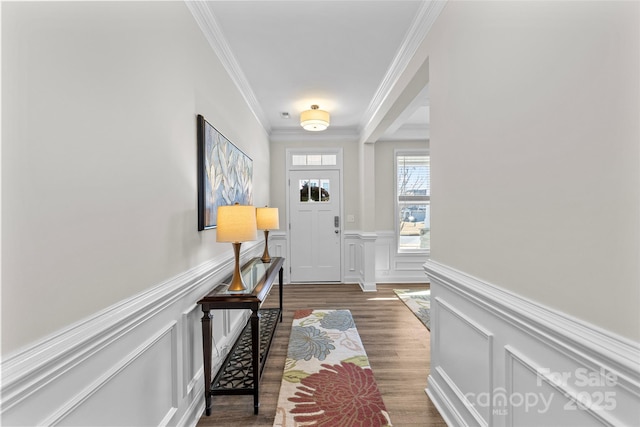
315, 238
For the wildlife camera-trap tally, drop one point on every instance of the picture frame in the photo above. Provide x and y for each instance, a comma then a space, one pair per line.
225, 174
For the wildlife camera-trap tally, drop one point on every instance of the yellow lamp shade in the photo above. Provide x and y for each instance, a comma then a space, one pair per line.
267, 218
236, 223
314, 119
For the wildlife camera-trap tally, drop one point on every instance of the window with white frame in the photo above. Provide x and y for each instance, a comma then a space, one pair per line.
314, 159
413, 194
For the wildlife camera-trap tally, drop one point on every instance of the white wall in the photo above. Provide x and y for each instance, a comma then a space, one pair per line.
102, 263
535, 154
99, 199
535, 212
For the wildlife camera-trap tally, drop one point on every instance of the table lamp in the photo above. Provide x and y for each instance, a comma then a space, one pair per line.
267, 219
236, 224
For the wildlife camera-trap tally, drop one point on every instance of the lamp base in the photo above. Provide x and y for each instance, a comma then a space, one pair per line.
265, 255
237, 284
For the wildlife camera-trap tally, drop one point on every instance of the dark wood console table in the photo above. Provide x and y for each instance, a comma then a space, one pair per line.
240, 373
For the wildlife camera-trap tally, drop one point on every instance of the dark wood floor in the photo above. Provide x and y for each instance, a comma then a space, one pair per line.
396, 343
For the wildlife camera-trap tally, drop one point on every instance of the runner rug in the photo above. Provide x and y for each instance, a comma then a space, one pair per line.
418, 301
327, 379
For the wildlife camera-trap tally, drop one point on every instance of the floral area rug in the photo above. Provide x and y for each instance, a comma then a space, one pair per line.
418, 301
327, 379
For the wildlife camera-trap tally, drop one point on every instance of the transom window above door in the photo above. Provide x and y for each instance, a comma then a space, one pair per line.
314, 159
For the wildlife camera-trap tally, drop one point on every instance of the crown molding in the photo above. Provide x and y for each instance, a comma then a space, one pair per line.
300, 135
214, 35
408, 133
420, 27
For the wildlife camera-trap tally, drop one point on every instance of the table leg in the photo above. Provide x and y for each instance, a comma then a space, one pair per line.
206, 347
280, 288
255, 341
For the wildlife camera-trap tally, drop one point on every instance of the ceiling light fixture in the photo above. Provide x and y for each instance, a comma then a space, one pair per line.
314, 119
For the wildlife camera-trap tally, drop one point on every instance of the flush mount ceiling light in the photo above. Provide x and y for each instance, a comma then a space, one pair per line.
314, 119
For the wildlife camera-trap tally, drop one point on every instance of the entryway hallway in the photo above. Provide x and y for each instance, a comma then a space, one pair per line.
396, 342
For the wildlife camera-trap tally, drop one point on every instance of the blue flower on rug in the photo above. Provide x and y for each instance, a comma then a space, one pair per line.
339, 319
307, 342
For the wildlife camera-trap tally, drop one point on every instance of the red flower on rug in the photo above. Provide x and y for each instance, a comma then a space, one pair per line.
301, 314
342, 395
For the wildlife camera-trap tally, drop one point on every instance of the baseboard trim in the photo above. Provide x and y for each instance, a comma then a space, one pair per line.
195, 410
445, 406
368, 287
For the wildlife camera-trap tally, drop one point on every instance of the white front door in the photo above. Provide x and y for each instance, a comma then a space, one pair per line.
315, 225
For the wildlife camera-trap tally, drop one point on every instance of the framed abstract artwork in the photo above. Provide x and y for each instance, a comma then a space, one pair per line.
224, 174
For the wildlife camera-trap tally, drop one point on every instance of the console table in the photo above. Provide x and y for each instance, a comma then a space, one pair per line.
240, 373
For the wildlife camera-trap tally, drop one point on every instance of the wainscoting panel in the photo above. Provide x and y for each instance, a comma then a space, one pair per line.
530, 398
352, 261
383, 258
351, 257
358, 259
382, 264
138, 362
390, 266
394, 267
278, 246
466, 353
145, 378
191, 341
531, 365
